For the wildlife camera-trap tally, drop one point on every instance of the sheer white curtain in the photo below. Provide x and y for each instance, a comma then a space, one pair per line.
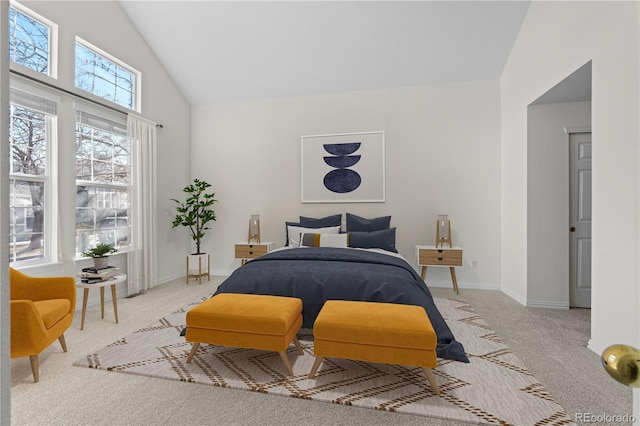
141, 259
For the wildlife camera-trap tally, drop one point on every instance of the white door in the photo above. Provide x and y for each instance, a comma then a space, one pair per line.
580, 220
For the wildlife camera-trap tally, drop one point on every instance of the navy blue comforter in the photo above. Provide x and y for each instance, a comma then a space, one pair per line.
321, 273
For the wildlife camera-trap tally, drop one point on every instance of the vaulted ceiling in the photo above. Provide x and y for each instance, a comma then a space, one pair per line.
227, 51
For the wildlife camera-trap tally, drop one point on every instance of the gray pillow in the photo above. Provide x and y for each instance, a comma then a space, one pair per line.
384, 239
361, 224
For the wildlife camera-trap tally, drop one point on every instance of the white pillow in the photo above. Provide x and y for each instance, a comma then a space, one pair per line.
295, 232
325, 240
334, 240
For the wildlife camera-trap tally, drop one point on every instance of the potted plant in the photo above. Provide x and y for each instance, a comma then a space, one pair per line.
196, 212
99, 254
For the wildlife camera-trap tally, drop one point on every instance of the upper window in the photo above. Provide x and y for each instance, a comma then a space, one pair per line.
30, 40
106, 77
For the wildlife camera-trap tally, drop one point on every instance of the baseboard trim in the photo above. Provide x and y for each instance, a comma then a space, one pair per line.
520, 300
463, 285
597, 349
169, 278
547, 304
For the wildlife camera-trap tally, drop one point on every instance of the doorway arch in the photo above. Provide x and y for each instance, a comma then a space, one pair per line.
566, 105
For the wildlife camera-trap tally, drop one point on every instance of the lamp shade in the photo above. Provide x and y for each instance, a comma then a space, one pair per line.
254, 228
443, 226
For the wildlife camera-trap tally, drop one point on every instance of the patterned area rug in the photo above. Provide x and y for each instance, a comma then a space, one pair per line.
494, 388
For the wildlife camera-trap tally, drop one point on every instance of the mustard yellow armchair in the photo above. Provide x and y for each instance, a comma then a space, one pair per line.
41, 311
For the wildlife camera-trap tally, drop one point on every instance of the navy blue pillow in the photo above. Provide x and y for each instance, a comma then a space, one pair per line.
324, 222
384, 239
361, 224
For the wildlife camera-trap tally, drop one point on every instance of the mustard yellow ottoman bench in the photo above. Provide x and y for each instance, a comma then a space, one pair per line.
387, 333
250, 321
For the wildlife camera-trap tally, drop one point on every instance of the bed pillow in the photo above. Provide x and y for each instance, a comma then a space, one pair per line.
286, 231
384, 239
312, 222
360, 224
294, 233
324, 240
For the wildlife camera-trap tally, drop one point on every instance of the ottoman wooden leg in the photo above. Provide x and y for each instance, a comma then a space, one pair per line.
432, 379
297, 343
286, 362
314, 369
194, 348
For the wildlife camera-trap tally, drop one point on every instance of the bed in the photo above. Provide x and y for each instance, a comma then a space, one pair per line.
318, 274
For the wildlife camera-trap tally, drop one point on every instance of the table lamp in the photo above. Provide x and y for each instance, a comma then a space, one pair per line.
254, 228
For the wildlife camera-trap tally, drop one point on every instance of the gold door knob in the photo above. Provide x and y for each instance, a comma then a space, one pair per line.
622, 362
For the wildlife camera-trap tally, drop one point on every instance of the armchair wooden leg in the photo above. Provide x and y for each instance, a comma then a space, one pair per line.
34, 367
62, 343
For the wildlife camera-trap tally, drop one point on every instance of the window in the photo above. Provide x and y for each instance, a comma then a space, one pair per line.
103, 176
98, 73
30, 40
30, 143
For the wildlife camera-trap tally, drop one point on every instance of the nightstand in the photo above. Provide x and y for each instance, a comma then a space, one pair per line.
248, 251
440, 256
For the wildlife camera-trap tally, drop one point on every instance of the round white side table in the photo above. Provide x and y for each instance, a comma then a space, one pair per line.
116, 279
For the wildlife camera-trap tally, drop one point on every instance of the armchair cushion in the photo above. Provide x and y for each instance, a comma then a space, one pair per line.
52, 310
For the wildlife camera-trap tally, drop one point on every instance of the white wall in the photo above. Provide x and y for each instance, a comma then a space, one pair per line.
161, 102
548, 200
442, 156
556, 39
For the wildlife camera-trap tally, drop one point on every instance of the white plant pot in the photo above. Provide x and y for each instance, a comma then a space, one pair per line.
100, 262
198, 264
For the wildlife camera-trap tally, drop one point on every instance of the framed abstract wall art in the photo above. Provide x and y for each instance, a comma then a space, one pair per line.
343, 168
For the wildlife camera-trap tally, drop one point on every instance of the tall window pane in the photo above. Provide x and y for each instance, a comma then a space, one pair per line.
103, 77
28, 41
28, 168
102, 183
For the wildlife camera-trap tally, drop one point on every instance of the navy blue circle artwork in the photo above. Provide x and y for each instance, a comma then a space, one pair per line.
342, 179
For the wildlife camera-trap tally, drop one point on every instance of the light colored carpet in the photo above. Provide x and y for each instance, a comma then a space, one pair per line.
494, 388
550, 342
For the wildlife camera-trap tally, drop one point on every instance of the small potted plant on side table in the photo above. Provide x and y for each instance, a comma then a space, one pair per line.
99, 254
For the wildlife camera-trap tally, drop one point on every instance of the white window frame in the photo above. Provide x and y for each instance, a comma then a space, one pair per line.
138, 75
50, 179
102, 113
53, 41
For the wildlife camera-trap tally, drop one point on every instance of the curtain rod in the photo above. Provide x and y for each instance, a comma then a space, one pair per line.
69, 92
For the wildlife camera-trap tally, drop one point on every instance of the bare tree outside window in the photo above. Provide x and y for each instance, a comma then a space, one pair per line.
102, 77
28, 42
102, 187
28, 148
29, 46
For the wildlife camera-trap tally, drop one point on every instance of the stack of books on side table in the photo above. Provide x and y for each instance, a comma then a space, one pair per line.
93, 275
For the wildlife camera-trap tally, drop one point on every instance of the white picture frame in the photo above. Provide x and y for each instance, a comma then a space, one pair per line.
356, 173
